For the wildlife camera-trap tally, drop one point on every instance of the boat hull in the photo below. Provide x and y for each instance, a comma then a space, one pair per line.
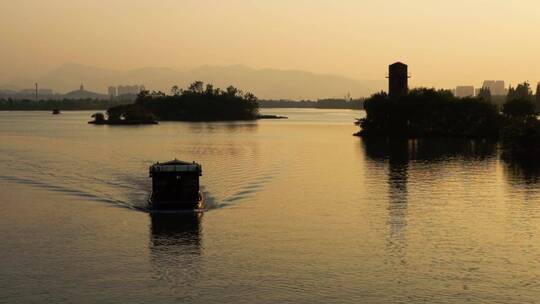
176, 206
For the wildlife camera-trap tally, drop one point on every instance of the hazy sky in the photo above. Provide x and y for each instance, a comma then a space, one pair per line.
446, 43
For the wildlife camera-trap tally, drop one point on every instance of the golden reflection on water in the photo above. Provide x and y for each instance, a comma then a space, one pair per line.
300, 211
176, 247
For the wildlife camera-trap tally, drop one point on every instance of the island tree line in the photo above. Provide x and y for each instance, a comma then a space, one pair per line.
198, 102
425, 112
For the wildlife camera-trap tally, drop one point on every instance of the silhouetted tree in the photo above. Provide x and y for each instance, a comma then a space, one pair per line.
196, 87
519, 108
484, 94
114, 114
521, 138
521, 132
175, 90
197, 103
538, 97
522, 91
232, 91
209, 89
98, 117
155, 94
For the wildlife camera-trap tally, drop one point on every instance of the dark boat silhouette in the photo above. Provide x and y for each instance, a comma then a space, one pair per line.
175, 187
56, 111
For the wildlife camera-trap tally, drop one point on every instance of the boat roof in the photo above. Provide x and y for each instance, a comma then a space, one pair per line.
398, 63
176, 166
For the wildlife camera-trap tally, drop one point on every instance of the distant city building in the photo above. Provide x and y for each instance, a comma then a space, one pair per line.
496, 87
464, 91
398, 80
129, 89
112, 92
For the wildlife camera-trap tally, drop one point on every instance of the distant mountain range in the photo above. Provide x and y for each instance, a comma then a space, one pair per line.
264, 83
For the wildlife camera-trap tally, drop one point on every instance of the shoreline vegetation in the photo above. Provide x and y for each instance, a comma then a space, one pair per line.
329, 103
199, 102
62, 105
69, 104
98, 104
431, 113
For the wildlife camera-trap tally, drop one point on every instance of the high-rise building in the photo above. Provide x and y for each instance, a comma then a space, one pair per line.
464, 91
398, 80
496, 87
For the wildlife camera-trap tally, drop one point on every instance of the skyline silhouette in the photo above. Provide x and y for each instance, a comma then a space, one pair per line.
267, 83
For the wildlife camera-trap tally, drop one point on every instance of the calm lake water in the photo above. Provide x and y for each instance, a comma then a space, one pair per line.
300, 211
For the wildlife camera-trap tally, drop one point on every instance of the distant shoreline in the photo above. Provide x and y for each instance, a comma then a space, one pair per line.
102, 105
62, 105
155, 122
104, 109
123, 123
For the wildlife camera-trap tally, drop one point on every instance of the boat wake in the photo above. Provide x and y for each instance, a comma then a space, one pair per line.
135, 192
72, 192
243, 193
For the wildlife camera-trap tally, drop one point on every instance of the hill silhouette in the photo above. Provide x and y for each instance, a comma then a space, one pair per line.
265, 83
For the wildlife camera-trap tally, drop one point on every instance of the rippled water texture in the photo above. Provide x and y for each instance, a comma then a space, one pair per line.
300, 211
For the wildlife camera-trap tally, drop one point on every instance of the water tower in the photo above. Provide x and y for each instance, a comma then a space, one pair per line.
398, 80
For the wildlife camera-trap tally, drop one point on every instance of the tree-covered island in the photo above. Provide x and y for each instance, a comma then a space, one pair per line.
428, 113
199, 102
424, 113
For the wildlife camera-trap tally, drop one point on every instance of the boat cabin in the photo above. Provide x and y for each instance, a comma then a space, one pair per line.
175, 185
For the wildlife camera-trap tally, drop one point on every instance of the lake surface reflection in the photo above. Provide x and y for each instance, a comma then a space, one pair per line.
300, 211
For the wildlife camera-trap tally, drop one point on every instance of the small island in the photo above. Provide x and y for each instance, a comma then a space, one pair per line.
199, 102
113, 119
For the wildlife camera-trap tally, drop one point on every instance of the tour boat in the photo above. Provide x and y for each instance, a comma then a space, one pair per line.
175, 187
